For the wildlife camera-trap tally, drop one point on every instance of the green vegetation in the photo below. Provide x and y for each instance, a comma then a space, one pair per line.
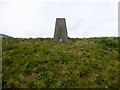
42, 63
0, 60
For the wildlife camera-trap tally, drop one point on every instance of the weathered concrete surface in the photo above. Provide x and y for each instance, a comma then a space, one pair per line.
60, 34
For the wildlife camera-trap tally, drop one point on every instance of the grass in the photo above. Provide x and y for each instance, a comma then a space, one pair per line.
42, 63
0, 60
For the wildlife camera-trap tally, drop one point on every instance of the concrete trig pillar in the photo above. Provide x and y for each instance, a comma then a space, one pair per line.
60, 34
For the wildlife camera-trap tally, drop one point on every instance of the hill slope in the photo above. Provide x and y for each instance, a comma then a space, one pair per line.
39, 63
5, 36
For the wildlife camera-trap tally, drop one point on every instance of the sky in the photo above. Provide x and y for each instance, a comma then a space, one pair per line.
36, 18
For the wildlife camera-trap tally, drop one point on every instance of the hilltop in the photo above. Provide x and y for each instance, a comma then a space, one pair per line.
41, 63
5, 36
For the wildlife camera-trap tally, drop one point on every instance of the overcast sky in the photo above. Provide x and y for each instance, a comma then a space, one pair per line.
36, 18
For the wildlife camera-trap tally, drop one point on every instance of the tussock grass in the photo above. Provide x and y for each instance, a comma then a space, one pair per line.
42, 63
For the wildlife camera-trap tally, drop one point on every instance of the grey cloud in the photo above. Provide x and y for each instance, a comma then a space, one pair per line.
27, 19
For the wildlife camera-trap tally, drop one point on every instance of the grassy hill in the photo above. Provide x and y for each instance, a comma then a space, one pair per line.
4, 36
42, 63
